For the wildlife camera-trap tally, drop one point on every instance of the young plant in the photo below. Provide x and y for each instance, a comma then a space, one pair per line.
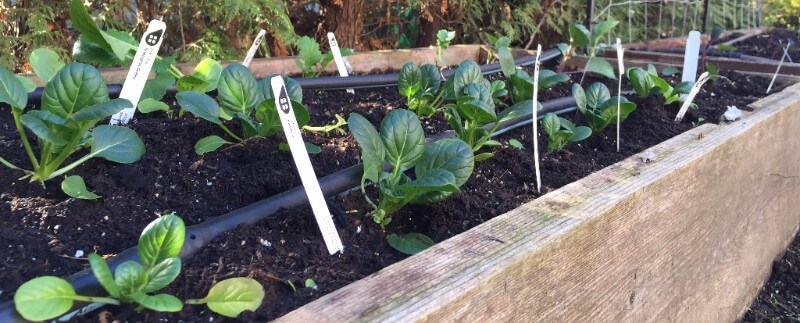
443, 38
73, 102
521, 83
647, 82
561, 131
311, 60
48, 297
420, 87
440, 168
599, 107
580, 36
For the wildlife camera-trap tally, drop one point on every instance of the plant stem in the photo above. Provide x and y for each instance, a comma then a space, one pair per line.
24, 138
230, 133
47, 171
8, 164
93, 299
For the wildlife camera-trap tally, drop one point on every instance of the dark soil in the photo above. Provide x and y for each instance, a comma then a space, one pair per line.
43, 228
770, 45
779, 299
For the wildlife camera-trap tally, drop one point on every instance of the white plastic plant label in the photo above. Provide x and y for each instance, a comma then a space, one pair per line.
536, 120
690, 58
304, 168
337, 57
690, 97
777, 70
254, 48
140, 69
621, 65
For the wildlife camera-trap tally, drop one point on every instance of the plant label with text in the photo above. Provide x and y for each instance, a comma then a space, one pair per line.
337, 57
254, 48
304, 167
140, 69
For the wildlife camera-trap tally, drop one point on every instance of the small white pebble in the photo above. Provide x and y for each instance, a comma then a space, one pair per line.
78, 253
265, 243
358, 229
712, 94
103, 234
56, 227
243, 242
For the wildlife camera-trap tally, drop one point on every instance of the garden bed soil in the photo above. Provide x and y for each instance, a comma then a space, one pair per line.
770, 44
43, 228
778, 300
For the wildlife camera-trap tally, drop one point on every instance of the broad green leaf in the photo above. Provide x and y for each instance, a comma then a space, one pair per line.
601, 29
162, 274
159, 303
208, 70
431, 79
563, 48
129, 277
436, 181
516, 144
580, 133
579, 34
551, 124
517, 110
506, 61
482, 93
713, 71
445, 36
683, 88
86, 51
153, 105
601, 67
475, 111
41, 130
566, 124
161, 239
580, 97
468, 72
233, 296
411, 243
100, 111
409, 82
191, 83
75, 187
155, 88
492, 143
103, 274
503, 41
521, 86
74, 87
310, 283
498, 89
641, 81
44, 298
609, 109
267, 114
452, 155
209, 144
27, 83
596, 94
200, 105
483, 156
12, 91
117, 144
652, 70
403, 138
47, 116
237, 90
372, 149
669, 70
83, 22
123, 45
293, 88
310, 148
45, 63
548, 79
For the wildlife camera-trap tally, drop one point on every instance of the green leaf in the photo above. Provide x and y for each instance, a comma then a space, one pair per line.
596, 94
123, 45
75, 187
713, 71
521, 86
153, 105
162, 274
237, 90
267, 114
209, 144
579, 34
435, 180
372, 149
683, 87
403, 138
103, 274
492, 143
516, 144
601, 67
156, 88
161, 239
73, 88
100, 111
191, 83
208, 70
601, 29
452, 155
409, 81
476, 111
517, 110
431, 79
233, 296
411, 243
310, 283
506, 61
310, 148
669, 70
293, 88
44, 298
445, 36
27, 83
200, 105
159, 303
117, 144
580, 133
548, 79
41, 130
483, 156
45, 63
310, 54
641, 81
580, 97
12, 91
468, 72
129, 277
83, 22
726, 48
551, 124
47, 117
86, 51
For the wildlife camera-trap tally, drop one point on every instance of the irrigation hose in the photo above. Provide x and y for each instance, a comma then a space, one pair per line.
200, 235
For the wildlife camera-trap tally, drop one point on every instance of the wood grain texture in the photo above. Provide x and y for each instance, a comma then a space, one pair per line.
688, 237
722, 63
681, 41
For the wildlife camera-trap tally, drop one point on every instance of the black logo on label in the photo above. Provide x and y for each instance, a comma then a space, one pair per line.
153, 38
283, 100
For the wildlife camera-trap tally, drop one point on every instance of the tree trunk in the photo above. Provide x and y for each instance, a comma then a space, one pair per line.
345, 18
430, 21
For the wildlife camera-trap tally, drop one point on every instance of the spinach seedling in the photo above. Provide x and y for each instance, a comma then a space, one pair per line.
521, 83
443, 38
580, 36
598, 107
47, 297
73, 102
647, 82
440, 168
561, 131
420, 87
311, 61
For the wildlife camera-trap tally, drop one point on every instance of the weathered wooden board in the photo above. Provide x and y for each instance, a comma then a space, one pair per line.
676, 42
689, 237
722, 63
362, 63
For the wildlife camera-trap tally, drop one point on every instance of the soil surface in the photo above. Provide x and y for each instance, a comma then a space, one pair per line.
770, 45
43, 228
779, 299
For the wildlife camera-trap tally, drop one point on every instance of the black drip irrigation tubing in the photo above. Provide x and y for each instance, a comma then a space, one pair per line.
350, 82
714, 53
200, 235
